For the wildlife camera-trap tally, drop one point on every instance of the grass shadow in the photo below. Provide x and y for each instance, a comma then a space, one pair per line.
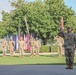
49, 55
46, 64
19, 56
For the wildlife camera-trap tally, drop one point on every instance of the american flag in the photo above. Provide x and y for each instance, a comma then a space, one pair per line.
62, 23
28, 42
25, 39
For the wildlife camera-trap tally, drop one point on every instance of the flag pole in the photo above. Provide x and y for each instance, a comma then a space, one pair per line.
62, 23
28, 36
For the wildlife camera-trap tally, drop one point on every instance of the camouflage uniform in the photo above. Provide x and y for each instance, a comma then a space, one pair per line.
21, 47
32, 46
4, 45
37, 46
69, 46
60, 42
11, 47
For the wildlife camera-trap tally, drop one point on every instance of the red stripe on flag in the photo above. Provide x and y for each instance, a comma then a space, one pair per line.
62, 23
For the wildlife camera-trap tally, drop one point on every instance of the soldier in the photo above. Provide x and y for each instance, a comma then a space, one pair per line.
69, 46
21, 47
37, 46
11, 46
32, 45
60, 42
4, 45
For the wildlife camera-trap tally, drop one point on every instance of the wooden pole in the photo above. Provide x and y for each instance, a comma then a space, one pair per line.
26, 25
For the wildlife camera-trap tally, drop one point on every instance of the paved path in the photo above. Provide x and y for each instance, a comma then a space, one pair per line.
36, 70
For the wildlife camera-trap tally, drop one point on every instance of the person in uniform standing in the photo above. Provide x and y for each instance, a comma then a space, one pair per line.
11, 46
69, 46
4, 45
60, 42
21, 47
37, 46
32, 46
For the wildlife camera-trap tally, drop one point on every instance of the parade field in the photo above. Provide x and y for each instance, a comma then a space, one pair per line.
38, 60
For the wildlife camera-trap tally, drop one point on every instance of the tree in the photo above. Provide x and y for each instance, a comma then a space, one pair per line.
43, 18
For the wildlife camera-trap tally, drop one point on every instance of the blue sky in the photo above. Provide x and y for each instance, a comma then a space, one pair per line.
5, 5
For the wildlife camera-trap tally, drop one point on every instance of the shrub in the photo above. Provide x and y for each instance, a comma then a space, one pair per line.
46, 48
0, 51
55, 48
43, 49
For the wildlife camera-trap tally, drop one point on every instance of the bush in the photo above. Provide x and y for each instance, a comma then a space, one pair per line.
55, 49
43, 49
0, 51
46, 48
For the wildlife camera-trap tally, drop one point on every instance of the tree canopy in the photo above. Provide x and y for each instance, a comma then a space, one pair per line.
43, 18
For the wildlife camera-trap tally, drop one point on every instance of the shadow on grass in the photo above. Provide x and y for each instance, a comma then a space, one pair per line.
47, 64
44, 64
23, 57
16, 56
37, 64
49, 55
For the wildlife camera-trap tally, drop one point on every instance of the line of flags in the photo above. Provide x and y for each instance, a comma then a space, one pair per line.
26, 38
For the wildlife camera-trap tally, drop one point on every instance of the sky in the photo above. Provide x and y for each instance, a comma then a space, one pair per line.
5, 5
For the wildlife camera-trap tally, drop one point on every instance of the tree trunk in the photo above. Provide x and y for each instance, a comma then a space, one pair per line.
44, 41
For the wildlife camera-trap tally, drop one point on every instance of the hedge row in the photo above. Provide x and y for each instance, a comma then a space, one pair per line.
45, 49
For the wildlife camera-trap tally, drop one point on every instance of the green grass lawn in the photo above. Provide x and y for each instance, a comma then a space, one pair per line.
46, 59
